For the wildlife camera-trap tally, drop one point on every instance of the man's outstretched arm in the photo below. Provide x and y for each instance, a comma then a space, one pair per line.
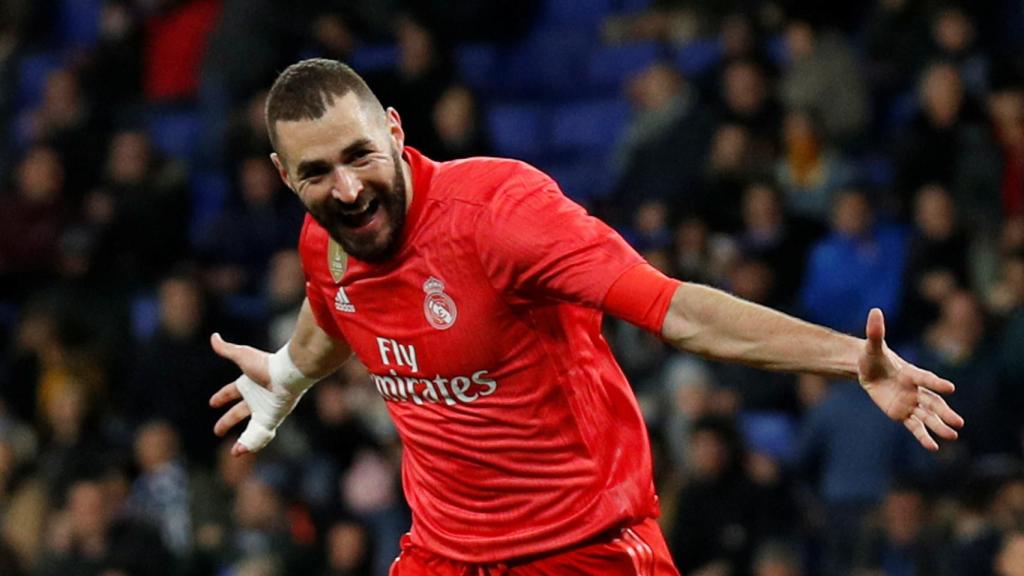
716, 325
272, 384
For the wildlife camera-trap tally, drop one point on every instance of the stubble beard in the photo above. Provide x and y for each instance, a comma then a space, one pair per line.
385, 244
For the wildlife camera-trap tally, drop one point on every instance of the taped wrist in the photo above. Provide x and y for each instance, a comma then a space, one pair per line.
284, 372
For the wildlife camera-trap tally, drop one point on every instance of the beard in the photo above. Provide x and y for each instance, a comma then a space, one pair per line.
387, 203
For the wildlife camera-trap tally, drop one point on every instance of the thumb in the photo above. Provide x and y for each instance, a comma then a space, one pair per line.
875, 330
251, 361
223, 348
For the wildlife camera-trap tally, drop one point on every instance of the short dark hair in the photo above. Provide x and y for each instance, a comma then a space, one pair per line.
305, 89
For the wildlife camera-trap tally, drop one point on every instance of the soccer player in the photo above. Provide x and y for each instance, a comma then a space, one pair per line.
473, 291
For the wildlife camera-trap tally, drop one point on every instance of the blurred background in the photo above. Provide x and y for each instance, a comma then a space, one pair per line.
822, 160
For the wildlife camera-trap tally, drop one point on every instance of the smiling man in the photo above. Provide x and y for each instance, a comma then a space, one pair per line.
474, 291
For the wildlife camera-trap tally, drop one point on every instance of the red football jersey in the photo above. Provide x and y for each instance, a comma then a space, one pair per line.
483, 335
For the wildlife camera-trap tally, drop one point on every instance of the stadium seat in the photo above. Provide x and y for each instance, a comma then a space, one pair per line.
477, 65
547, 64
770, 433
78, 22
611, 66
145, 313
210, 190
589, 127
580, 179
176, 132
584, 13
374, 57
630, 6
698, 57
518, 130
33, 71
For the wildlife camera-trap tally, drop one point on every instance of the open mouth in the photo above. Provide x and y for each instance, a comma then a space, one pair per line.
360, 218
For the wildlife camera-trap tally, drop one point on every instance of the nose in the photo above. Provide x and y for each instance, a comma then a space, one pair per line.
347, 185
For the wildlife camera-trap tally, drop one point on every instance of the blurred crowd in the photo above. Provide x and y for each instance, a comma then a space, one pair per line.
820, 160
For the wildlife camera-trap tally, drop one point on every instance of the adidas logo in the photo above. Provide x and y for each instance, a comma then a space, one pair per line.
342, 303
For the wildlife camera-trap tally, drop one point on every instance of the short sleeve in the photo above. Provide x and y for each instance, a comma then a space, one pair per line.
321, 313
535, 243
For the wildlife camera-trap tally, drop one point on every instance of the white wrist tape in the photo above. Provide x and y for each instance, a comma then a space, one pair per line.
270, 405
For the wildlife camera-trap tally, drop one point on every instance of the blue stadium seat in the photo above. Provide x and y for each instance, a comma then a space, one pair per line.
610, 66
581, 179
33, 71
374, 57
585, 13
518, 130
590, 127
478, 66
878, 171
777, 51
176, 132
78, 22
630, 6
547, 63
698, 57
770, 433
145, 314
210, 190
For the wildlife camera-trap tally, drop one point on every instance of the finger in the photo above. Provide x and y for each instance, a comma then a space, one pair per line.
228, 393
239, 449
918, 429
929, 380
236, 414
938, 405
875, 330
935, 424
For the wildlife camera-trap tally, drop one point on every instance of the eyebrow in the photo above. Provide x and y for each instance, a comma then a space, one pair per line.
310, 167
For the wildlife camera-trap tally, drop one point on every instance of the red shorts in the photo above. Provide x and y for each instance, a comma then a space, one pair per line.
639, 550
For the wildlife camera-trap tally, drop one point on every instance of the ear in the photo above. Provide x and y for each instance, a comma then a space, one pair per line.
395, 128
282, 170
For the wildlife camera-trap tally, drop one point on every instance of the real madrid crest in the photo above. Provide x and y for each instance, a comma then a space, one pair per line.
438, 307
337, 260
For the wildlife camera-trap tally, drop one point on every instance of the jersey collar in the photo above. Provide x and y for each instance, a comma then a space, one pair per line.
422, 169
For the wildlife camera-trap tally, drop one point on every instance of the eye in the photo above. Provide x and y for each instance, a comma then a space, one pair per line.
361, 158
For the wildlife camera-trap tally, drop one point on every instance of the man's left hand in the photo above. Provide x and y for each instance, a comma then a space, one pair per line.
905, 392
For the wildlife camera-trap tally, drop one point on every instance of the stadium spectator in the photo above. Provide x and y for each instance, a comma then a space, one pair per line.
810, 171
901, 543
937, 259
661, 153
139, 215
958, 344
1006, 109
849, 458
778, 239
746, 100
175, 367
66, 121
33, 218
954, 40
859, 265
777, 559
160, 494
86, 539
948, 143
238, 244
348, 550
285, 291
1010, 561
456, 121
721, 512
823, 75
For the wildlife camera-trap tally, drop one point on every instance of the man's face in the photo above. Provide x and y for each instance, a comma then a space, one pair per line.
346, 167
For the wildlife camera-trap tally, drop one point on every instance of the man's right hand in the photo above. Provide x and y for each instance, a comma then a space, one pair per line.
267, 391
